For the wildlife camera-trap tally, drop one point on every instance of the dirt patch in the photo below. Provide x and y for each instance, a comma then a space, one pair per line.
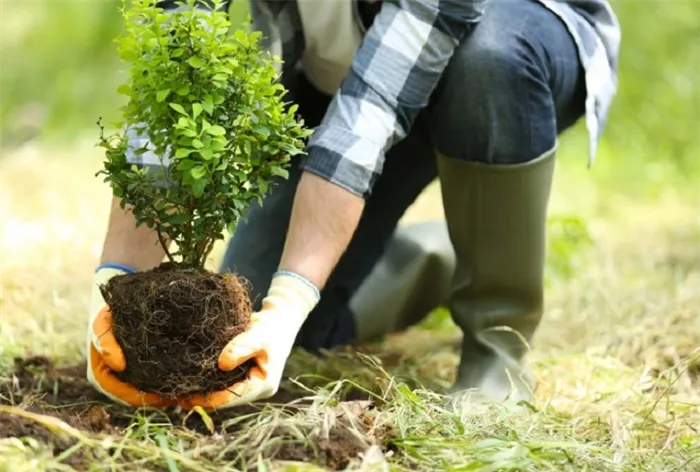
332, 440
351, 433
40, 387
65, 393
16, 426
335, 451
173, 323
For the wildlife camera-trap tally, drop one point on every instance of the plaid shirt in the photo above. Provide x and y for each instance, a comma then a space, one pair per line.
398, 66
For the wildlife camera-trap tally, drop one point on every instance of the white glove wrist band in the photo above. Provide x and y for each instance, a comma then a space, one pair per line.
293, 288
103, 273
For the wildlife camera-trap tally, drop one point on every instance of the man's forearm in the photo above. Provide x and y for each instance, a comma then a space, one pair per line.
324, 218
126, 244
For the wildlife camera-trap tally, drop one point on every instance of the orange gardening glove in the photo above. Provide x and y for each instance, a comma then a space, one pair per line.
268, 340
105, 356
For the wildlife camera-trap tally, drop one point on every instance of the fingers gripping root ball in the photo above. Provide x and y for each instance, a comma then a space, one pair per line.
172, 325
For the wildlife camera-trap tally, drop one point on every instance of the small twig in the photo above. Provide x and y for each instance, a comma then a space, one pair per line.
207, 250
161, 240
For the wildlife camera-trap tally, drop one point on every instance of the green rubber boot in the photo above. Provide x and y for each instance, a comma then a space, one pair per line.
410, 280
496, 218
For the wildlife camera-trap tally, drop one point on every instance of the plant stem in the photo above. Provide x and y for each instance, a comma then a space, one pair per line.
209, 248
161, 240
188, 245
164, 246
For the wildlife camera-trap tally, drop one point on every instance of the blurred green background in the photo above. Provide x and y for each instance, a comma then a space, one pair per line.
60, 71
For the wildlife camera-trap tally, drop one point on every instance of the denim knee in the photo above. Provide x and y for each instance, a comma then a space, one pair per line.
495, 104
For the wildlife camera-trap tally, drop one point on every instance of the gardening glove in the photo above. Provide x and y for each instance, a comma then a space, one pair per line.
268, 341
104, 355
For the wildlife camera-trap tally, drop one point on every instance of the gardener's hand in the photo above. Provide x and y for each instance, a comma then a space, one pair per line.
268, 341
105, 356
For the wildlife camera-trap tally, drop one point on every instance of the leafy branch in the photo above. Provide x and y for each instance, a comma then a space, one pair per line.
208, 99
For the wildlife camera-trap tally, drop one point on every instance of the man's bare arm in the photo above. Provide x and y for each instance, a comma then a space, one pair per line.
324, 218
126, 244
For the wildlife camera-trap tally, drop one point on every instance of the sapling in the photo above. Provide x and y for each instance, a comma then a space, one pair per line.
207, 97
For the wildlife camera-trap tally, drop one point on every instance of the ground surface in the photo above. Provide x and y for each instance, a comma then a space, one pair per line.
617, 358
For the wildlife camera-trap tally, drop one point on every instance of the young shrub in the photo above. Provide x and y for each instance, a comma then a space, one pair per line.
208, 99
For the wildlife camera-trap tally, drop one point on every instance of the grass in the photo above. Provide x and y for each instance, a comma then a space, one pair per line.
617, 356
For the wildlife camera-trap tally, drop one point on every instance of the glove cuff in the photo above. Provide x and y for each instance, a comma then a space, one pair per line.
291, 287
121, 268
103, 273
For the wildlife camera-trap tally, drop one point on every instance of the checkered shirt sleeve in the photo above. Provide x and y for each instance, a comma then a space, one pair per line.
390, 81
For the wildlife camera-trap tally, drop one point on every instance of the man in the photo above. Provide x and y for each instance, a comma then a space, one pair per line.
473, 92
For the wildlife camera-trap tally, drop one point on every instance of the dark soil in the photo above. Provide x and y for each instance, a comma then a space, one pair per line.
334, 452
37, 386
65, 393
173, 323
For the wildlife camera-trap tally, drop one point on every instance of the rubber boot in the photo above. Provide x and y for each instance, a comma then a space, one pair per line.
496, 218
410, 280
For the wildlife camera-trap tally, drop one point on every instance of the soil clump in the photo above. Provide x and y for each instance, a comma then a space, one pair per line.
173, 323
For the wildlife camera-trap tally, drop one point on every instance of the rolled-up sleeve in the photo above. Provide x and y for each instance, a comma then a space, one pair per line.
392, 76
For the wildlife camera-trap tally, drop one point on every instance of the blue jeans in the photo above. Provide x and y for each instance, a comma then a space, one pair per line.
511, 88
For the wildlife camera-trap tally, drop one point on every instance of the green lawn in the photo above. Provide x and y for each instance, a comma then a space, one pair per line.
617, 357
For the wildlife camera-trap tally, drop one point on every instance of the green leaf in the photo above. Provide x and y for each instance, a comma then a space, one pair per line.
178, 219
263, 185
198, 187
184, 141
178, 108
197, 144
196, 110
216, 130
208, 105
262, 130
184, 90
177, 52
183, 152
198, 172
218, 145
207, 153
186, 164
279, 171
162, 95
195, 62
124, 89
291, 150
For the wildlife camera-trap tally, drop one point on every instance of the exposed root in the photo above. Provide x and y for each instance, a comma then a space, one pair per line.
173, 323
